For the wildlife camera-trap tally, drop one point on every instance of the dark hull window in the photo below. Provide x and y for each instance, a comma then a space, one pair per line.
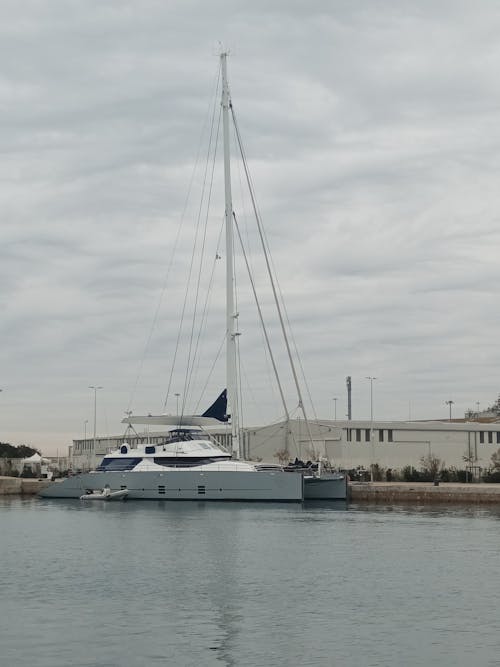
121, 463
184, 463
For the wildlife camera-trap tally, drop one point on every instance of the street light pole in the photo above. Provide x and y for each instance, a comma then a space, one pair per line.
335, 408
450, 403
177, 404
371, 395
95, 388
369, 377
85, 441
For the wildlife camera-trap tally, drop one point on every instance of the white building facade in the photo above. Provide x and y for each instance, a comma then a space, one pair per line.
353, 444
346, 444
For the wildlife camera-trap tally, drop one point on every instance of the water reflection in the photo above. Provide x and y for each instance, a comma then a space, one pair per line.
325, 506
183, 583
434, 510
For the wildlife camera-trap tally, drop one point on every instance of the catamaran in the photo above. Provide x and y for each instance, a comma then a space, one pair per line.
188, 464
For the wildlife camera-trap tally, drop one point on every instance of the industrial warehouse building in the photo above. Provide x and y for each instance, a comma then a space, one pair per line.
345, 444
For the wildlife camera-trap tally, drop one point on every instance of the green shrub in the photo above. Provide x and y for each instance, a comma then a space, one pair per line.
410, 474
492, 477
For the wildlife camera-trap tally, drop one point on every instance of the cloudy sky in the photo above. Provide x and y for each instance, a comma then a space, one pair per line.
372, 134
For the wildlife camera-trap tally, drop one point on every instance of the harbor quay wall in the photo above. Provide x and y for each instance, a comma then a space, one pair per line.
18, 486
392, 493
424, 493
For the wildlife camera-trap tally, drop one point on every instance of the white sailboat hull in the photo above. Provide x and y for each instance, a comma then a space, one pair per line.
186, 485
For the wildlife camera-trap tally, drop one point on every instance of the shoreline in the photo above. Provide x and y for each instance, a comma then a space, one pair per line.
359, 492
424, 493
21, 486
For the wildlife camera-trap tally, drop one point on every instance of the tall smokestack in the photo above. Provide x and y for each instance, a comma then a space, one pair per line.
349, 408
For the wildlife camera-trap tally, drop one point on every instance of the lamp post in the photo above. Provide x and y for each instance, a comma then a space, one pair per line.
369, 377
95, 388
335, 409
177, 404
371, 395
450, 403
85, 441
477, 409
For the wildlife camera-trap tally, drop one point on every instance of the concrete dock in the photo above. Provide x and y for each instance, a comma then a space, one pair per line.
21, 486
392, 493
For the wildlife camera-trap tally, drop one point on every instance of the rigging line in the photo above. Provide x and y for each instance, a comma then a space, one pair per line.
276, 300
238, 405
239, 393
196, 357
294, 441
242, 197
299, 359
206, 306
174, 250
248, 385
285, 310
202, 250
179, 333
270, 274
290, 330
212, 368
250, 262
269, 437
278, 423
261, 317
190, 366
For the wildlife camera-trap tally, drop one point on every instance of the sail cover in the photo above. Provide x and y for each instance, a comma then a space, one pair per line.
216, 413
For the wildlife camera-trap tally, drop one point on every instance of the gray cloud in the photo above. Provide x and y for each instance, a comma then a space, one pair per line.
372, 135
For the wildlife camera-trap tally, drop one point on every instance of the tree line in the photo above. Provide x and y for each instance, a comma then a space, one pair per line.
8, 451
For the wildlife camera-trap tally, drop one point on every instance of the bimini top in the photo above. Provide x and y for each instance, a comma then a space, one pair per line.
215, 414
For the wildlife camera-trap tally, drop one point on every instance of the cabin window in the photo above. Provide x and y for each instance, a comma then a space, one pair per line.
201, 490
481, 437
358, 435
498, 438
367, 434
490, 437
121, 463
150, 449
178, 462
389, 435
349, 435
381, 435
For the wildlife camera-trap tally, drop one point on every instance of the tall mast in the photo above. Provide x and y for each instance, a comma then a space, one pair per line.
231, 315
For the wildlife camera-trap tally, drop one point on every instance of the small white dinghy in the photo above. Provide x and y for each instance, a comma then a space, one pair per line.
105, 494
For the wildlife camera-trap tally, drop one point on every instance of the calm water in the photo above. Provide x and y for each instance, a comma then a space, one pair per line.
128, 584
